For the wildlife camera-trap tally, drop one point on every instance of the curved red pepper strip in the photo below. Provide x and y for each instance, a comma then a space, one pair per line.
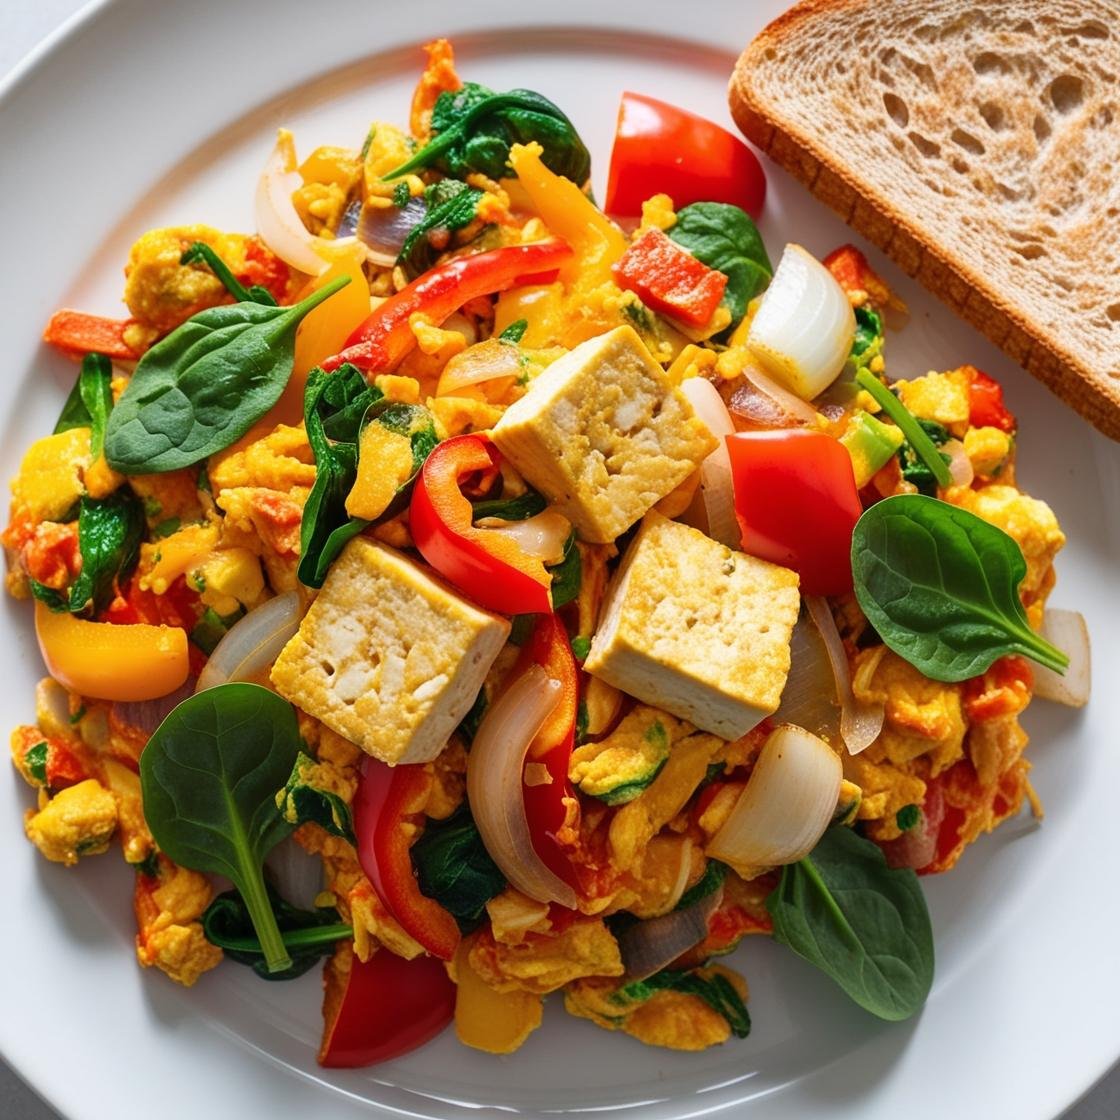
386, 798
78, 333
385, 337
546, 804
486, 566
382, 1008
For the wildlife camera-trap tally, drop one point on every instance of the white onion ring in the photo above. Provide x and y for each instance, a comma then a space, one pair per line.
494, 787
278, 224
253, 642
485, 361
647, 947
793, 405
960, 465
544, 535
716, 486
860, 723
1067, 631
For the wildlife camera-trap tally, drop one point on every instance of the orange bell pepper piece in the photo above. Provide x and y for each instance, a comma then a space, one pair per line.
78, 333
107, 662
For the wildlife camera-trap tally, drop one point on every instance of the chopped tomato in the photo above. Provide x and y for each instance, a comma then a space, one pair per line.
985, 403
659, 148
78, 334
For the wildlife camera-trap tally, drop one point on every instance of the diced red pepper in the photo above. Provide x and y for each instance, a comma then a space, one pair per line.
265, 269
487, 566
79, 334
388, 809
382, 1008
547, 804
985, 403
669, 279
1003, 690
797, 504
379, 343
854, 274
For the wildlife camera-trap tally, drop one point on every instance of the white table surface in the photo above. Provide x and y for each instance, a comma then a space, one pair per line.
23, 24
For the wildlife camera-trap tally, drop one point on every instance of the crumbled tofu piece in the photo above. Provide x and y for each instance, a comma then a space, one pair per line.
388, 657
942, 397
696, 628
77, 821
604, 434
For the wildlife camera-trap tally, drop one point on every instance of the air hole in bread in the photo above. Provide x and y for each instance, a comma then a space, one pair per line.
1030, 252
1066, 93
1041, 128
1012, 194
896, 109
967, 141
1103, 117
1024, 27
992, 114
990, 63
1113, 312
925, 145
959, 165
1091, 30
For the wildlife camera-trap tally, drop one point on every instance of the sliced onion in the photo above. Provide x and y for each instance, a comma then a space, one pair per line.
278, 224
648, 947
809, 697
860, 723
147, 715
253, 642
494, 786
787, 804
684, 873
716, 487
384, 229
1067, 631
543, 536
297, 874
960, 465
485, 361
786, 410
802, 332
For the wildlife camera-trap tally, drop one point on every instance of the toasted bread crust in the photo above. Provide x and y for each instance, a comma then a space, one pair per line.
913, 244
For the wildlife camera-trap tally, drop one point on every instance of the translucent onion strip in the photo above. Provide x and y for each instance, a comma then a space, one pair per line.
494, 784
860, 724
278, 224
1067, 631
716, 486
786, 806
543, 535
960, 465
253, 643
809, 697
802, 332
648, 947
486, 361
794, 407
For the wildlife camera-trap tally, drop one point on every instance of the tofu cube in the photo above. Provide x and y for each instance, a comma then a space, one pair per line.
604, 434
387, 656
697, 629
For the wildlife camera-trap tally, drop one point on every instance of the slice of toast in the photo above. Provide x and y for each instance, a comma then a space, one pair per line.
979, 147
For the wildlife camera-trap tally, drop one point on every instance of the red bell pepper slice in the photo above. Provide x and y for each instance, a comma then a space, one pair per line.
78, 334
985, 404
659, 147
487, 566
379, 1009
797, 504
385, 337
547, 803
852, 272
669, 279
387, 809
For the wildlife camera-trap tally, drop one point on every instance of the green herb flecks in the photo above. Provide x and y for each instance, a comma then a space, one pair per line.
515, 332
907, 817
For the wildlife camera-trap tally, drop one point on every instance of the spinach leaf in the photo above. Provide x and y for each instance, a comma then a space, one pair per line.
515, 332
203, 386
913, 467
451, 206
453, 867
90, 401
301, 801
715, 990
712, 879
209, 776
476, 127
520, 508
109, 534
202, 253
567, 575
912, 429
866, 926
212, 627
869, 331
941, 587
35, 759
308, 935
726, 239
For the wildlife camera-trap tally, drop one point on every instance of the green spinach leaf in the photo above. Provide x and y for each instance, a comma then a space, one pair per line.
109, 534
726, 239
201, 253
567, 576
212, 627
308, 935
90, 401
515, 332
712, 879
715, 990
941, 587
453, 867
520, 508
475, 128
301, 801
913, 466
869, 332
203, 386
451, 206
866, 926
209, 777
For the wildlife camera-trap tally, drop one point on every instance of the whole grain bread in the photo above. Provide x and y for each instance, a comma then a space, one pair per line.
979, 147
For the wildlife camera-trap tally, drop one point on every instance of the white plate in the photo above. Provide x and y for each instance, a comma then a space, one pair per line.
141, 116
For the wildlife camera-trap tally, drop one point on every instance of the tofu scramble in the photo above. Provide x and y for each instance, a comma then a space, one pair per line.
516, 539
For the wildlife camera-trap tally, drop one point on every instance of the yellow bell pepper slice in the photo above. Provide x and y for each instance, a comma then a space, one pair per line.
497, 1022
110, 662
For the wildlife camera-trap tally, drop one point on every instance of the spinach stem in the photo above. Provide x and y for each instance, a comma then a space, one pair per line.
292, 939
815, 878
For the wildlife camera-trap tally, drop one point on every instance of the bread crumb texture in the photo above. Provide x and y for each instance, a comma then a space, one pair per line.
980, 147
387, 656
